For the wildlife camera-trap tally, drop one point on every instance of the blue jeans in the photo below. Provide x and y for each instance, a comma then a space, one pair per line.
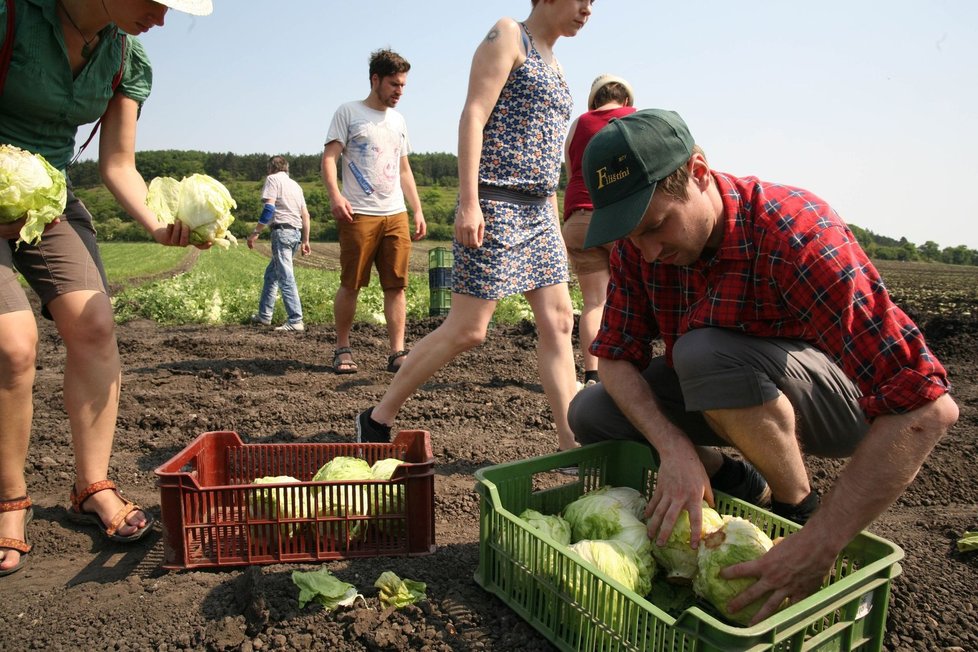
279, 276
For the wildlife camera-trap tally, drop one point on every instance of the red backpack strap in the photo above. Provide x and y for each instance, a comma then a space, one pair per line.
8, 45
115, 84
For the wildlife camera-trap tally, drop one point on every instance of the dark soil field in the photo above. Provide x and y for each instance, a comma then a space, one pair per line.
80, 592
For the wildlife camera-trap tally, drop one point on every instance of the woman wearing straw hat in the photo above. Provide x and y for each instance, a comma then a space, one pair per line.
610, 97
67, 63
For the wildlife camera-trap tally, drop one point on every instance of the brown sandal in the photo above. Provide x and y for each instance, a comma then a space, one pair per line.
23, 547
393, 358
343, 367
77, 515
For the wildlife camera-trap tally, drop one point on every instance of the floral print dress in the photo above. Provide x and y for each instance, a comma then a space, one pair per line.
522, 151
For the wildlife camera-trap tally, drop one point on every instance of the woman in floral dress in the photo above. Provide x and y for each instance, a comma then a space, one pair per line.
507, 233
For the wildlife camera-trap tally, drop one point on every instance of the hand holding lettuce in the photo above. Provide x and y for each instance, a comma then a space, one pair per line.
677, 557
30, 189
736, 541
606, 533
199, 201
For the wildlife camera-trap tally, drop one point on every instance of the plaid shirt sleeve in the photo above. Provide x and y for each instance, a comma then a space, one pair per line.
628, 326
829, 283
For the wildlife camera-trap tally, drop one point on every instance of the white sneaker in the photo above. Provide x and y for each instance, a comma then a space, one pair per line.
288, 326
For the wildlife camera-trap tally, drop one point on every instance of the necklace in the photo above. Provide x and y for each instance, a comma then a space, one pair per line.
86, 50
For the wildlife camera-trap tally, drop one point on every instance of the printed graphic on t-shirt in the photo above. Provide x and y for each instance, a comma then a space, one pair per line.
374, 151
362, 180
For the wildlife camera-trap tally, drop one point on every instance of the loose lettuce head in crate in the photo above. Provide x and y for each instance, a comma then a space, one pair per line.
344, 500
599, 515
388, 498
556, 527
631, 499
280, 503
618, 561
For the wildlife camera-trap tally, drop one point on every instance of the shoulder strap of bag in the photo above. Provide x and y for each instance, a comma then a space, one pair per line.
8, 45
6, 53
115, 84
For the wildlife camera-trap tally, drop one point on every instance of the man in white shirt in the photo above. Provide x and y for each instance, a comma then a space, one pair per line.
284, 211
370, 210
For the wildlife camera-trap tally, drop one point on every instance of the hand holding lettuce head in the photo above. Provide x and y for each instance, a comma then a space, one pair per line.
32, 194
606, 533
200, 202
736, 568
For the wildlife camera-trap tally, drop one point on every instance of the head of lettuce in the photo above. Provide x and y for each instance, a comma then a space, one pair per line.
32, 189
199, 201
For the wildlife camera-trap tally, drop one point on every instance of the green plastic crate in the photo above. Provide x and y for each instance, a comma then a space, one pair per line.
518, 564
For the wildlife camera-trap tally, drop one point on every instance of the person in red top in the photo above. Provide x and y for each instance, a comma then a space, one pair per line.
610, 97
780, 338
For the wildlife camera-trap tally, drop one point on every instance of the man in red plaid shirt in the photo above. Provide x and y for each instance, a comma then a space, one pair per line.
780, 339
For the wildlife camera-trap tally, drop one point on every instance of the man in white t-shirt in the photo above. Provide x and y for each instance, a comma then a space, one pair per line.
370, 210
284, 211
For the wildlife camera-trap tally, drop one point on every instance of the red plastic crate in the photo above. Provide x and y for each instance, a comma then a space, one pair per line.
213, 515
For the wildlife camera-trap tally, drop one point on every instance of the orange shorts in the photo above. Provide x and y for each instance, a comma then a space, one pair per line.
583, 261
383, 241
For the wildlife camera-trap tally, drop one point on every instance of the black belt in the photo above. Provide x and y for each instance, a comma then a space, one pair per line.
495, 193
276, 227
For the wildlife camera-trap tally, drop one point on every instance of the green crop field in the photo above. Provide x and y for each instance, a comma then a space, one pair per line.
222, 286
135, 260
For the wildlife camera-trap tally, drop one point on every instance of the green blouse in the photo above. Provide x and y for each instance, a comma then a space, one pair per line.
41, 106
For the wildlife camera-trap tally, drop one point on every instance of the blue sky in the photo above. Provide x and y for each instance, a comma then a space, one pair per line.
872, 105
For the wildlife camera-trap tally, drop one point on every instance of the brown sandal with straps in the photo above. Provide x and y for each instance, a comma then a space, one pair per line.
23, 547
77, 515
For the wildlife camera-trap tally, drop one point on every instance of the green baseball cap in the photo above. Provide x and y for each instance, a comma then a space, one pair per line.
622, 165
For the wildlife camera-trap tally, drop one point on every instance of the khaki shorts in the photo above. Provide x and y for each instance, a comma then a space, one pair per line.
719, 369
379, 240
65, 260
583, 261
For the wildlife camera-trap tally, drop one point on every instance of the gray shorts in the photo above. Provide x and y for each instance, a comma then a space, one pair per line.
65, 260
720, 369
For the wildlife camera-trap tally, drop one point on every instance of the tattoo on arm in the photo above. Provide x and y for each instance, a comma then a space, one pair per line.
492, 35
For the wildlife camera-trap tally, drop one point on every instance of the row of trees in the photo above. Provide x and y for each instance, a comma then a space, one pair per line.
430, 169
881, 247
436, 175
244, 174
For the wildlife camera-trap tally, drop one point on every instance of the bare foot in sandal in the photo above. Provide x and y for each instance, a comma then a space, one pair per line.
102, 504
14, 545
344, 366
